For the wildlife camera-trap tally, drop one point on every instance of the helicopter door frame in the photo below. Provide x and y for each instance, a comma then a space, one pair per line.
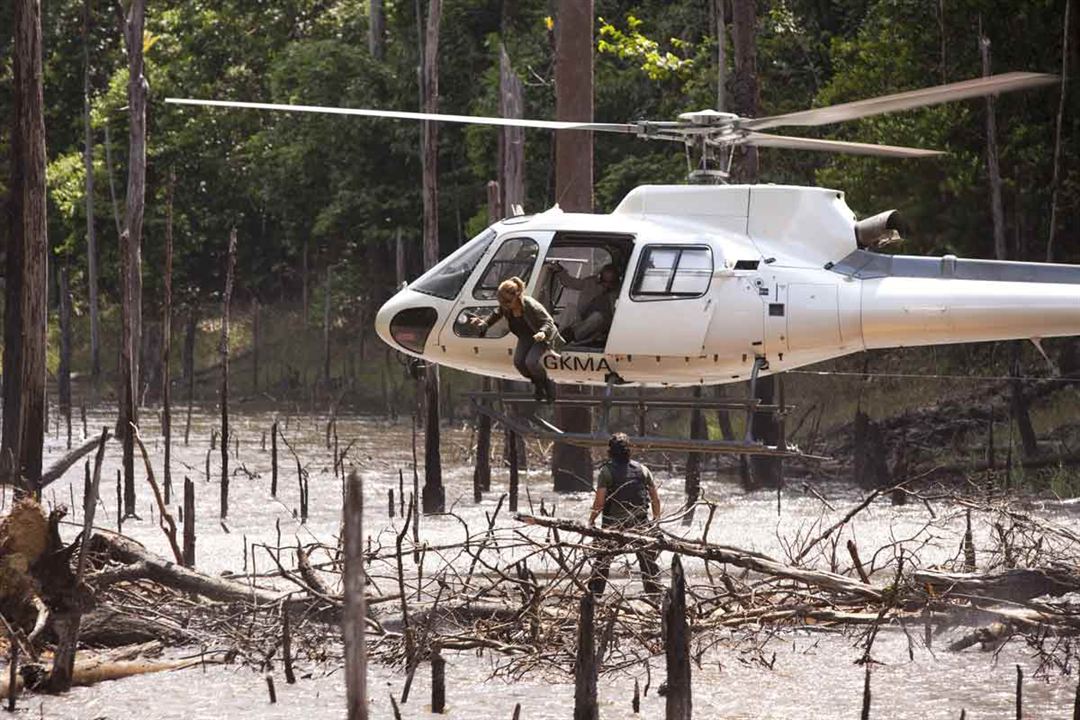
667, 307
458, 340
619, 248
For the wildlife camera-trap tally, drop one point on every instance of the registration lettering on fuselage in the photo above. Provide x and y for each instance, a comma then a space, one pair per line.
577, 363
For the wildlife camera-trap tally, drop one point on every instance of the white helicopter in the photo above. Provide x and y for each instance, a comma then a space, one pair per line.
720, 283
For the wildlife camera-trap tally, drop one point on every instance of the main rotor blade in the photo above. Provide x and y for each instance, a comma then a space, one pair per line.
399, 115
904, 101
840, 146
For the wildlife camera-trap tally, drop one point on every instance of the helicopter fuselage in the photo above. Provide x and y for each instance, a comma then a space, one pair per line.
712, 278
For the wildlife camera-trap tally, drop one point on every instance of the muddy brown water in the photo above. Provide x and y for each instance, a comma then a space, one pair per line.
813, 672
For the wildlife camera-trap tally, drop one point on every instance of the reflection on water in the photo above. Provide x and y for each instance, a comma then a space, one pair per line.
813, 674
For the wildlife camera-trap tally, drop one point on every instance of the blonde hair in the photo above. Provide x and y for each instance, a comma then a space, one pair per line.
512, 285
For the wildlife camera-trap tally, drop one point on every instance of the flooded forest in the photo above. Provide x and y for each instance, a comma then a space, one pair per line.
231, 487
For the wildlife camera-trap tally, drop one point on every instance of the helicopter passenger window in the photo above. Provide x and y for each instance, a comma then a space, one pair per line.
672, 272
446, 279
463, 326
516, 257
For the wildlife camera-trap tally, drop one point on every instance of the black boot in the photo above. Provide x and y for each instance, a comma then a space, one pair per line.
549, 391
539, 392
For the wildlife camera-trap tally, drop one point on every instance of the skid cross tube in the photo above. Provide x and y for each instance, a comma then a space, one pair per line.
538, 427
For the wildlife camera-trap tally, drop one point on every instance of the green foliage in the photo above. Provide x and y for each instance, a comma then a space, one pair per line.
635, 46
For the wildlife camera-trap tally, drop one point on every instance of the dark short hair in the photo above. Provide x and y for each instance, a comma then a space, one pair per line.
619, 446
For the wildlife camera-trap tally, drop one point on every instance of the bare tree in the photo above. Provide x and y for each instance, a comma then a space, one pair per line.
91, 236
26, 274
1055, 184
377, 30
511, 139
572, 466
131, 247
434, 496
746, 93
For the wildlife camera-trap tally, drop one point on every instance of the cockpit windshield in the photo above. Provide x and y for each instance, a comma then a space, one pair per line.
446, 279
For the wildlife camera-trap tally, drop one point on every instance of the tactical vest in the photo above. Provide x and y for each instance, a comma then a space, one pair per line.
628, 501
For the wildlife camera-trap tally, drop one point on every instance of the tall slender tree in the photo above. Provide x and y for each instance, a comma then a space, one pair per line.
377, 29
434, 495
26, 273
131, 246
91, 236
571, 466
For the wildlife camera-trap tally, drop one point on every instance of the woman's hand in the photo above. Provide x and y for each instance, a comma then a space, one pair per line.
539, 337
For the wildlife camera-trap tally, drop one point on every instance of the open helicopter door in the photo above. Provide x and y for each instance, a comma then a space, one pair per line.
666, 308
511, 255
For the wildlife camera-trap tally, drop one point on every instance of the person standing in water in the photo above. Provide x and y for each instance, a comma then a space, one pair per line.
535, 330
625, 493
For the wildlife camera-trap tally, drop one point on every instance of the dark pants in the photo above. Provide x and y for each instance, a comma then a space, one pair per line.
650, 570
529, 361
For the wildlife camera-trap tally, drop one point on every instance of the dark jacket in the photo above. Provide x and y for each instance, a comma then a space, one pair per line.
536, 317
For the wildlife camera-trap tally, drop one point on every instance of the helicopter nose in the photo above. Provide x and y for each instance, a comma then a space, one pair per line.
404, 325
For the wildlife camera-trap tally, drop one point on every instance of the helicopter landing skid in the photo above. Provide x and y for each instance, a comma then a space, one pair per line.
529, 423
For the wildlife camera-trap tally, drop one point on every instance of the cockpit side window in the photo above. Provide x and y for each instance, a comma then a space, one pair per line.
446, 279
516, 257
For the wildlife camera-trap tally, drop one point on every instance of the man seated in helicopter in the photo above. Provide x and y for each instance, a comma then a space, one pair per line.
596, 305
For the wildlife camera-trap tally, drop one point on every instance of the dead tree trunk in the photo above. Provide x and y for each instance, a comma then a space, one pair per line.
1054, 185
355, 613
694, 461
166, 342
1018, 404
91, 236
572, 466
256, 340
511, 139
326, 328
189, 368
720, 24
131, 247
677, 646
746, 94
230, 264
585, 670
434, 496
65, 350
26, 290
992, 166
189, 523
377, 31
764, 470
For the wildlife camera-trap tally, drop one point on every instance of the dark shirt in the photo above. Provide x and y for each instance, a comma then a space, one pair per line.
627, 498
519, 326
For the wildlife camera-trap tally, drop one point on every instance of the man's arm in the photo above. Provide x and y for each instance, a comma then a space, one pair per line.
601, 493
654, 496
598, 503
569, 281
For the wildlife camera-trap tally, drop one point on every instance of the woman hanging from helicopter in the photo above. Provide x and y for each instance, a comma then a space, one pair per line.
536, 332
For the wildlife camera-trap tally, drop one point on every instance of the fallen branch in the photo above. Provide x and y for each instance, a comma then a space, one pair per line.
58, 468
632, 542
165, 520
